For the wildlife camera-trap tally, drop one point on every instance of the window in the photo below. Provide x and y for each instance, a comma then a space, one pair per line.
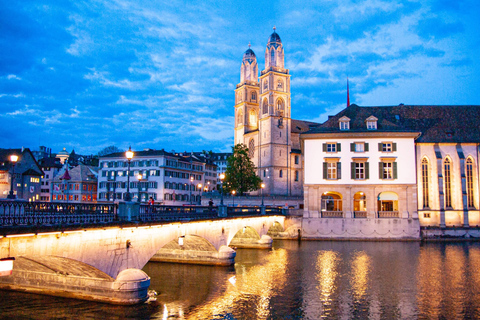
265, 84
344, 125
359, 147
254, 96
360, 170
280, 174
425, 190
296, 159
387, 147
251, 148
387, 203
447, 182
387, 170
296, 175
332, 169
359, 202
253, 118
240, 117
469, 168
371, 125
331, 147
280, 107
331, 202
265, 106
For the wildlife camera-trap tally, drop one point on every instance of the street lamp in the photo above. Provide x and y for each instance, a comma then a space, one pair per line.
139, 177
233, 197
13, 160
199, 186
129, 154
191, 184
263, 187
222, 176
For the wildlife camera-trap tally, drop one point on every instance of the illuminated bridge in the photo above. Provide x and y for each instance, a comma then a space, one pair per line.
96, 252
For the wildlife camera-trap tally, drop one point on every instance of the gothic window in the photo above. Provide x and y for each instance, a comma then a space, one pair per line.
296, 175
280, 107
469, 168
265, 106
239, 117
265, 84
272, 57
425, 174
253, 118
447, 176
254, 96
239, 97
280, 85
251, 148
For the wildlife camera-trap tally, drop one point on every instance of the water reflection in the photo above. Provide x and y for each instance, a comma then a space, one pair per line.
307, 280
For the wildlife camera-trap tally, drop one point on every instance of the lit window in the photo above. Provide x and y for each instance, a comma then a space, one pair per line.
425, 174
447, 181
469, 170
331, 170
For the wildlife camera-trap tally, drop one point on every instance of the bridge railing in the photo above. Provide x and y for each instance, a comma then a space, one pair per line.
176, 213
20, 213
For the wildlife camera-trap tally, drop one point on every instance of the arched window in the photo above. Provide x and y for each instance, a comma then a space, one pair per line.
254, 96
253, 118
239, 117
280, 107
360, 205
425, 175
447, 177
265, 106
469, 169
272, 57
251, 148
265, 84
239, 97
331, 202
387, 205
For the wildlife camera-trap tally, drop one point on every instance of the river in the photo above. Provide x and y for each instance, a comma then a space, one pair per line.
296, 280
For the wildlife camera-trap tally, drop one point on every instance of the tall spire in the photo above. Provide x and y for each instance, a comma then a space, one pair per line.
348, 95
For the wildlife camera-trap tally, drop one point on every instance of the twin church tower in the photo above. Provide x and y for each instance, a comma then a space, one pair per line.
263, 121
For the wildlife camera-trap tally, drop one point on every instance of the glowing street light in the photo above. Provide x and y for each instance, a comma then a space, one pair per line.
233, 197
129, 154
222, 176
13, 160
139, 177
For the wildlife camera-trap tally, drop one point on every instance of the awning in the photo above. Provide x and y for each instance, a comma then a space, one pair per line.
387, 196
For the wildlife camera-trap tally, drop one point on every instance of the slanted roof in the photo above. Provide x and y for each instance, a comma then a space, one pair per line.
300, 126
81, 173
436, 124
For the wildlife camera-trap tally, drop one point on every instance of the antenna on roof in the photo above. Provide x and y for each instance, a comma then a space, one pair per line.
348, 94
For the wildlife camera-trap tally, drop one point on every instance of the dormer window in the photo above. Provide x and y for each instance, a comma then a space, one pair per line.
371, 123
344, 123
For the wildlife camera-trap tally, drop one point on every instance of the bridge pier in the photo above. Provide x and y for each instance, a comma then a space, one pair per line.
63, 277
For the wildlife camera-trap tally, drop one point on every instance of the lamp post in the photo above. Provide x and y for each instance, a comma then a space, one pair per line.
263, 187
129, 154
139, 177
199, 186
222, 176
191, 184
13, 160
233, 197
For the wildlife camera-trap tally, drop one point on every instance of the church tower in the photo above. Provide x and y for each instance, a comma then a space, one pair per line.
247, 97
275, 120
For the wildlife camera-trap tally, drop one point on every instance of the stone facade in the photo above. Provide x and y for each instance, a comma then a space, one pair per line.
263, 121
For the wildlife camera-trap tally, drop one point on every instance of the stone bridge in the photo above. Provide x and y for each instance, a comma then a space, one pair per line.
105, 263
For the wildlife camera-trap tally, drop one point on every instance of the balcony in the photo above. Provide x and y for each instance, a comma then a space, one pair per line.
332, 214
388, 214
360, 214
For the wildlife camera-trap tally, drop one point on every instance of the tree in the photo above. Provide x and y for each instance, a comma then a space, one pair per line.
108, 150
240, 174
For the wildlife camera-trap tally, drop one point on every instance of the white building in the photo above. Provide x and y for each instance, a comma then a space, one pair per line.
169, 178
370, 170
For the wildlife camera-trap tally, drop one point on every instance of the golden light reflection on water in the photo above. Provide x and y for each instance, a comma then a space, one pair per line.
360, 270
429, 279
254, 286
326, 267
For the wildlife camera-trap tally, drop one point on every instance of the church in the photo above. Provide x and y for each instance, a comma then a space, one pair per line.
263, 121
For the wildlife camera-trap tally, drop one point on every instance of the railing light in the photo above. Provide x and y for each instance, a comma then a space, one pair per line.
20, 235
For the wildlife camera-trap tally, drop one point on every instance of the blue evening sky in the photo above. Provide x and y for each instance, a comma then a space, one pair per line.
160, 74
